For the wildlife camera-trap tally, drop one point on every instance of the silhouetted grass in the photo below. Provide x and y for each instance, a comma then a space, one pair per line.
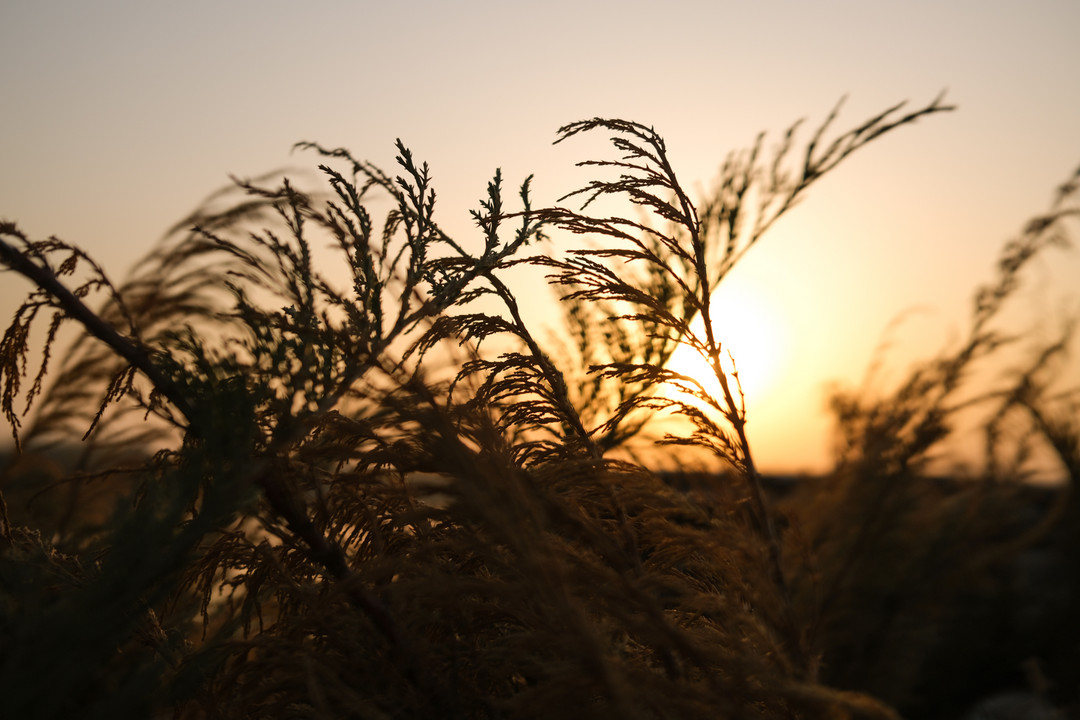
282, 505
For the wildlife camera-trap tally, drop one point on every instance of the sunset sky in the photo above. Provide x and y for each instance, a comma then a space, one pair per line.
119, 117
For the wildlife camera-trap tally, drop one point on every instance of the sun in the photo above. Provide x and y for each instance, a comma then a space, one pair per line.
752, 333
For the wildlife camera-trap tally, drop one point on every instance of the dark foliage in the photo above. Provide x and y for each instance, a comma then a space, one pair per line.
283, 506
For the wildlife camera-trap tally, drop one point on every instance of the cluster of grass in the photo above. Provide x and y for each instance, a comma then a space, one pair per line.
297, 501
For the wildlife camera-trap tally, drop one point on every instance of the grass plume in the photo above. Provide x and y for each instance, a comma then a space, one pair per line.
299, 514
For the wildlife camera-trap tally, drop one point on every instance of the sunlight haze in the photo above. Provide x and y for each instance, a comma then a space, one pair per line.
120, 117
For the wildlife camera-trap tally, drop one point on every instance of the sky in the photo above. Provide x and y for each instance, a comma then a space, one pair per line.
120, 117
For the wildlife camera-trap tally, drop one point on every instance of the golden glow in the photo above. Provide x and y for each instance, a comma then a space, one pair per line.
752, 331
918, 220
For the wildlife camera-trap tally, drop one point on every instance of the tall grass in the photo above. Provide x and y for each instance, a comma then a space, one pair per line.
284, 507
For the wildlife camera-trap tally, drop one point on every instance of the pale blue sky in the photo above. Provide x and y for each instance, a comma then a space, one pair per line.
119, 117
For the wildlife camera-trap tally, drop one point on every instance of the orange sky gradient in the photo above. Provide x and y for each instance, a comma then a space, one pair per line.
120, 117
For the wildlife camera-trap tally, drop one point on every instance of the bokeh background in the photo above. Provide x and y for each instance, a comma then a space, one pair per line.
118, 118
